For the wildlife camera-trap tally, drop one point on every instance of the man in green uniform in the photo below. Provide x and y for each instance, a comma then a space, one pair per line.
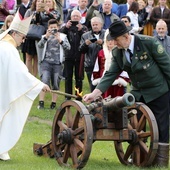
148, 66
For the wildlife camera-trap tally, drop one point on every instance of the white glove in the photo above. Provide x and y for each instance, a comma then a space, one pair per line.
95, 82
116, 82
122, 82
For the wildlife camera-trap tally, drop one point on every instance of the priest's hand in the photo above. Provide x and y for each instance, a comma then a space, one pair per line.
46, 88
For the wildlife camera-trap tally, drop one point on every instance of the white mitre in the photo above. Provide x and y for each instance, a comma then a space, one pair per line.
18, 24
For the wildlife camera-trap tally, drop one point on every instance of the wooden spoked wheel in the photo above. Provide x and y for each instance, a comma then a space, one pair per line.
72, 134
141, 150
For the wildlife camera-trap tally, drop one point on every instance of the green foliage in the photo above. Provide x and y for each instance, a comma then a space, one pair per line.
102, 156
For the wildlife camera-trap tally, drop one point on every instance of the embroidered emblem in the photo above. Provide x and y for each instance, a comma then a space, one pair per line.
160, 49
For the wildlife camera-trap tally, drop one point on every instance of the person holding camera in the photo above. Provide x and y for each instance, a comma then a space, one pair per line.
82, 7
90, 44
74, 30
51, 48
42, 12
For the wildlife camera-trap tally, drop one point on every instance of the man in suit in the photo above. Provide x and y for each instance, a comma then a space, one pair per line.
74, 30
161, 12
123, 8
149, 71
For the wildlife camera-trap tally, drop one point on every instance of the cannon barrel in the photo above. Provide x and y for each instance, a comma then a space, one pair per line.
113, 103
119, 102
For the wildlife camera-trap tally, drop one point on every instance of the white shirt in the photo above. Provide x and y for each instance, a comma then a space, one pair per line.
134, 21
131, 48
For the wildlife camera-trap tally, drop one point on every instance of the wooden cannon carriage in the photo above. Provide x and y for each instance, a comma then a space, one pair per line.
132, 127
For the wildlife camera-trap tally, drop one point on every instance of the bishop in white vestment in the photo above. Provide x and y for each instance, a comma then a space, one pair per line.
18, 88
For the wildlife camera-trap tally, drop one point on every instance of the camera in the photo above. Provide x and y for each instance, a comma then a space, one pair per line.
74, 23
94, 39
54, 31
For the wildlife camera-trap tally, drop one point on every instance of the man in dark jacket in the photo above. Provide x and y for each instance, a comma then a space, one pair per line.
90, 45
74, 30
82, 7
149, 72
104, 13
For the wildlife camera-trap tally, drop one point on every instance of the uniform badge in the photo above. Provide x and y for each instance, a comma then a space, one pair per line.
144, 56
141, 57
160, 49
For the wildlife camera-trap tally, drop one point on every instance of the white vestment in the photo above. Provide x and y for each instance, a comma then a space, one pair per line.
18, 89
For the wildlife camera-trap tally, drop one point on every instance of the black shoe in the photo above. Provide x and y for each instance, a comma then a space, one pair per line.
41, 105
53, 105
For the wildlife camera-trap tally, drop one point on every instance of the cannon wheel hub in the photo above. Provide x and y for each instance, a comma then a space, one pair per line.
65, 136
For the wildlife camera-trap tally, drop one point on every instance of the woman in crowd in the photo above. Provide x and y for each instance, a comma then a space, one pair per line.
12, 6
3, 12
7, 23
148, 28
142, 14
133, 14
42, 12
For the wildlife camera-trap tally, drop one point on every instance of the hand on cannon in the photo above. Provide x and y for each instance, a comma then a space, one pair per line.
92, 96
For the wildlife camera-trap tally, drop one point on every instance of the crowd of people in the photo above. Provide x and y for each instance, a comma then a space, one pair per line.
84, 22
114, 44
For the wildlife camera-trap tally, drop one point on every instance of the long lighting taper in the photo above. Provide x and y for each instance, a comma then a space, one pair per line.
64, 94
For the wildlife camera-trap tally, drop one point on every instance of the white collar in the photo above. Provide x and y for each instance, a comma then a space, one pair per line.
26, 5
132, 42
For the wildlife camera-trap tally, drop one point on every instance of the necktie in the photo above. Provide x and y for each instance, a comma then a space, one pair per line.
130, 54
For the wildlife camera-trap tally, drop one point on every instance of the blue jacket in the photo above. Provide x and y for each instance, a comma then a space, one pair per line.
122, 10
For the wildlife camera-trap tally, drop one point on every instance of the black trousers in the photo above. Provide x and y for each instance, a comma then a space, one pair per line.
72, 67
161, 108
89, 74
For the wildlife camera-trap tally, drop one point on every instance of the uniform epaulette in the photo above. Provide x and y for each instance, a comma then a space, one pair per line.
144, 37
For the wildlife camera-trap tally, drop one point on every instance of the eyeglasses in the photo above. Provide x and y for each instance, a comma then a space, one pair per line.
23, 37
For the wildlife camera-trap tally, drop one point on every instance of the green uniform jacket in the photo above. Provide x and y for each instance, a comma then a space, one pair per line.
149, 71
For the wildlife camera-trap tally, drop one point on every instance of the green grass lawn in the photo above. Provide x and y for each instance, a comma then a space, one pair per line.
38, 130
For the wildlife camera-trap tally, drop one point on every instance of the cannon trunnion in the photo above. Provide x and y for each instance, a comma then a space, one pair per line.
132, 127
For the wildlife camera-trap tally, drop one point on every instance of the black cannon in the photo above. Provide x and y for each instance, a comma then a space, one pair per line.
132, 127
